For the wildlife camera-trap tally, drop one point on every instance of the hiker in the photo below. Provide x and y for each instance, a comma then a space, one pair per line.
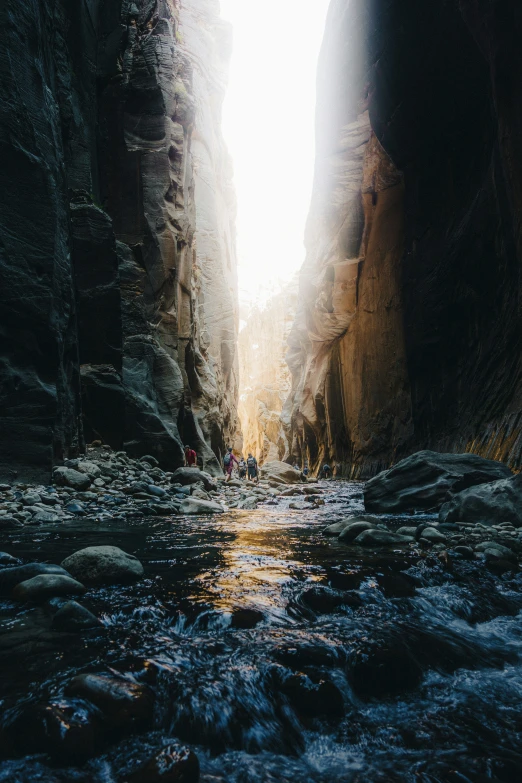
252, 468
306, 470
327, 472
296, 467
242, 468
228, 462
191, 458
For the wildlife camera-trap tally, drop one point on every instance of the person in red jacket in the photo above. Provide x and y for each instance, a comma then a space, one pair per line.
191, 459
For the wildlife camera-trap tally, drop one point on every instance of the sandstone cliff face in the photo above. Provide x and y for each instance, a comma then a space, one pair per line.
117, 254
409, 326
265, 377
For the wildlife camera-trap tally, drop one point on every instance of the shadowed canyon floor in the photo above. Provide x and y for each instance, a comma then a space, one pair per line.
273, 652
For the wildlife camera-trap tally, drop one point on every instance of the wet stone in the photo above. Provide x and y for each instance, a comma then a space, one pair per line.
324, 600
244, 617
73, 617
10, 523
124, 704
312, 698
44, 586
103, 565
173, 764
65, 729
396, 585
9, 577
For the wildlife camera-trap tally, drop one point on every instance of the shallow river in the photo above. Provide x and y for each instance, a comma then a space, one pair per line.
389, 666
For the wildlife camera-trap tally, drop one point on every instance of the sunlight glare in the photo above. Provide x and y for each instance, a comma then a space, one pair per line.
268, 124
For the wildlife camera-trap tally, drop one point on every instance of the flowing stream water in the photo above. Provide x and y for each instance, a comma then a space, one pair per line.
354, 666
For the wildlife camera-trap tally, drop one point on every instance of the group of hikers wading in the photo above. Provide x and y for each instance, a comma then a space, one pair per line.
249, 468
246, 468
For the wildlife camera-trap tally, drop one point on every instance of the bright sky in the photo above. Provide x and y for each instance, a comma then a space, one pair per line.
268, 124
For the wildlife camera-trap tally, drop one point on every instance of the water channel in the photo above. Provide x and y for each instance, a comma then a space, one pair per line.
278, 654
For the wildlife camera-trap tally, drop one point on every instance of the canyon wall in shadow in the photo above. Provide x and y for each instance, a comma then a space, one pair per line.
408, 333
118, 317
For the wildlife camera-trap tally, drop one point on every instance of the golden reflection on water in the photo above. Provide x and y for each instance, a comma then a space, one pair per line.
254, 564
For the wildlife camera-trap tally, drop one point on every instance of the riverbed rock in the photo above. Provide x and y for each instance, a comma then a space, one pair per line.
187, 476
124, 704
489, 504
89, 467
246, 617
427, 479
11, 576
103, 565
174, 764
503, 552
66, 729
312, 698
69, 477
9, 523
280, 471
74, 618
433, 535
352, 530
7, 560
42, 517
44, 586
377, 537
196, 506
383, 668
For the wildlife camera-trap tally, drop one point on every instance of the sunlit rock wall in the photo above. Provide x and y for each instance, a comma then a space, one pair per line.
265, 377
117, 223
409, 325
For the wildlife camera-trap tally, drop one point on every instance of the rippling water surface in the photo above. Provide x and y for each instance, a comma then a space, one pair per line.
354, 666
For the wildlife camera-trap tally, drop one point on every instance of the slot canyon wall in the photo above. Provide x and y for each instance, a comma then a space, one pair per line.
265, 376
118, 315
408, 333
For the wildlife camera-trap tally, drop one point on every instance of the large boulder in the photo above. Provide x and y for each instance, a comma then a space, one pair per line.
280, 471
187, 476
103, 565
196, 506
428, 479
499, 501
69, 477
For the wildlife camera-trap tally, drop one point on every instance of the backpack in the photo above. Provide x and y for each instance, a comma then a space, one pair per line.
251, 461
226, 459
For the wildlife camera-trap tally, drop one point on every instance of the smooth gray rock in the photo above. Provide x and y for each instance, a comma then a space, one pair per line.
187, 476
433, 535
503, 552
351, 531
44, 517
7, 560
30, 498
11, 576
103, 565
69, 477
489, 504
427, 479
72, 616
196, 506
89, 467
9, 523
376, 537
45, 586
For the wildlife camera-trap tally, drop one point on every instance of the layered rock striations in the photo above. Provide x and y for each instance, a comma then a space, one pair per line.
265, 377
408, 333
117, 259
